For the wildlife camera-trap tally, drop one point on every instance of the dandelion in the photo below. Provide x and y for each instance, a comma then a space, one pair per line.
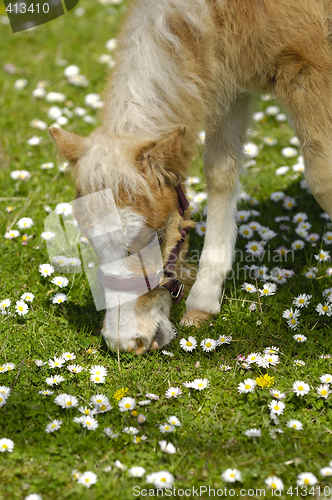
6, 445
87, 478
127, 404
53, 426
275, 483
21, 308
188, 345
248, 385
306, 479
295, 424
231, 475
323, 390
301, 388
265, 381
208, 345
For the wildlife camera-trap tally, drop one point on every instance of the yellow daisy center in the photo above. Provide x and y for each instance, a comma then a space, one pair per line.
208, 344
127, 405
189, 344
276, 407
306, 481
323, 392
200, 384
247, 386
300, 387
20, 308
4, 446
274, 486
68, 403
325, 308
254, 248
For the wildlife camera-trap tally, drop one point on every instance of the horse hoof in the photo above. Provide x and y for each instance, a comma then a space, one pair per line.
194, 318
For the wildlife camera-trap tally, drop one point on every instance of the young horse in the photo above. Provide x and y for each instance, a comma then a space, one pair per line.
183, 65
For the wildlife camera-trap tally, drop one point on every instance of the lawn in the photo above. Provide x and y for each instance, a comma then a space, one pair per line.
264, 406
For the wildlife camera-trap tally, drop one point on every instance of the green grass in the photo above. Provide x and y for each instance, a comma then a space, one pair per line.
211, 437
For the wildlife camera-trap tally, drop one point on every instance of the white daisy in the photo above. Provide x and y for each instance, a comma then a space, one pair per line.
25, 223
63, 209
302, 300
231, 475
325, 309
323, 390
47, 235
136, 471
127, 404
306, 479
301, 388
6, 445
59, 298
75, 368
166, 428
89, 422
167, 447
326, 379
21, 308
275, 483
162, 479
28, 297
268, 289
53, 426
87, 478
208, 345
248, 287
277, 407
326, 471
300, 338
200, 384
173, 392
46, 269
55, 380
255, 248
66, 401
248, 385
295, 424
56, 363
60, 281
188, 345
223, 339
253, 432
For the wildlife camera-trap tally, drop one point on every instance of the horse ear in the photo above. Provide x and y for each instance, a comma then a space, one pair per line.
164, 157
70, 145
